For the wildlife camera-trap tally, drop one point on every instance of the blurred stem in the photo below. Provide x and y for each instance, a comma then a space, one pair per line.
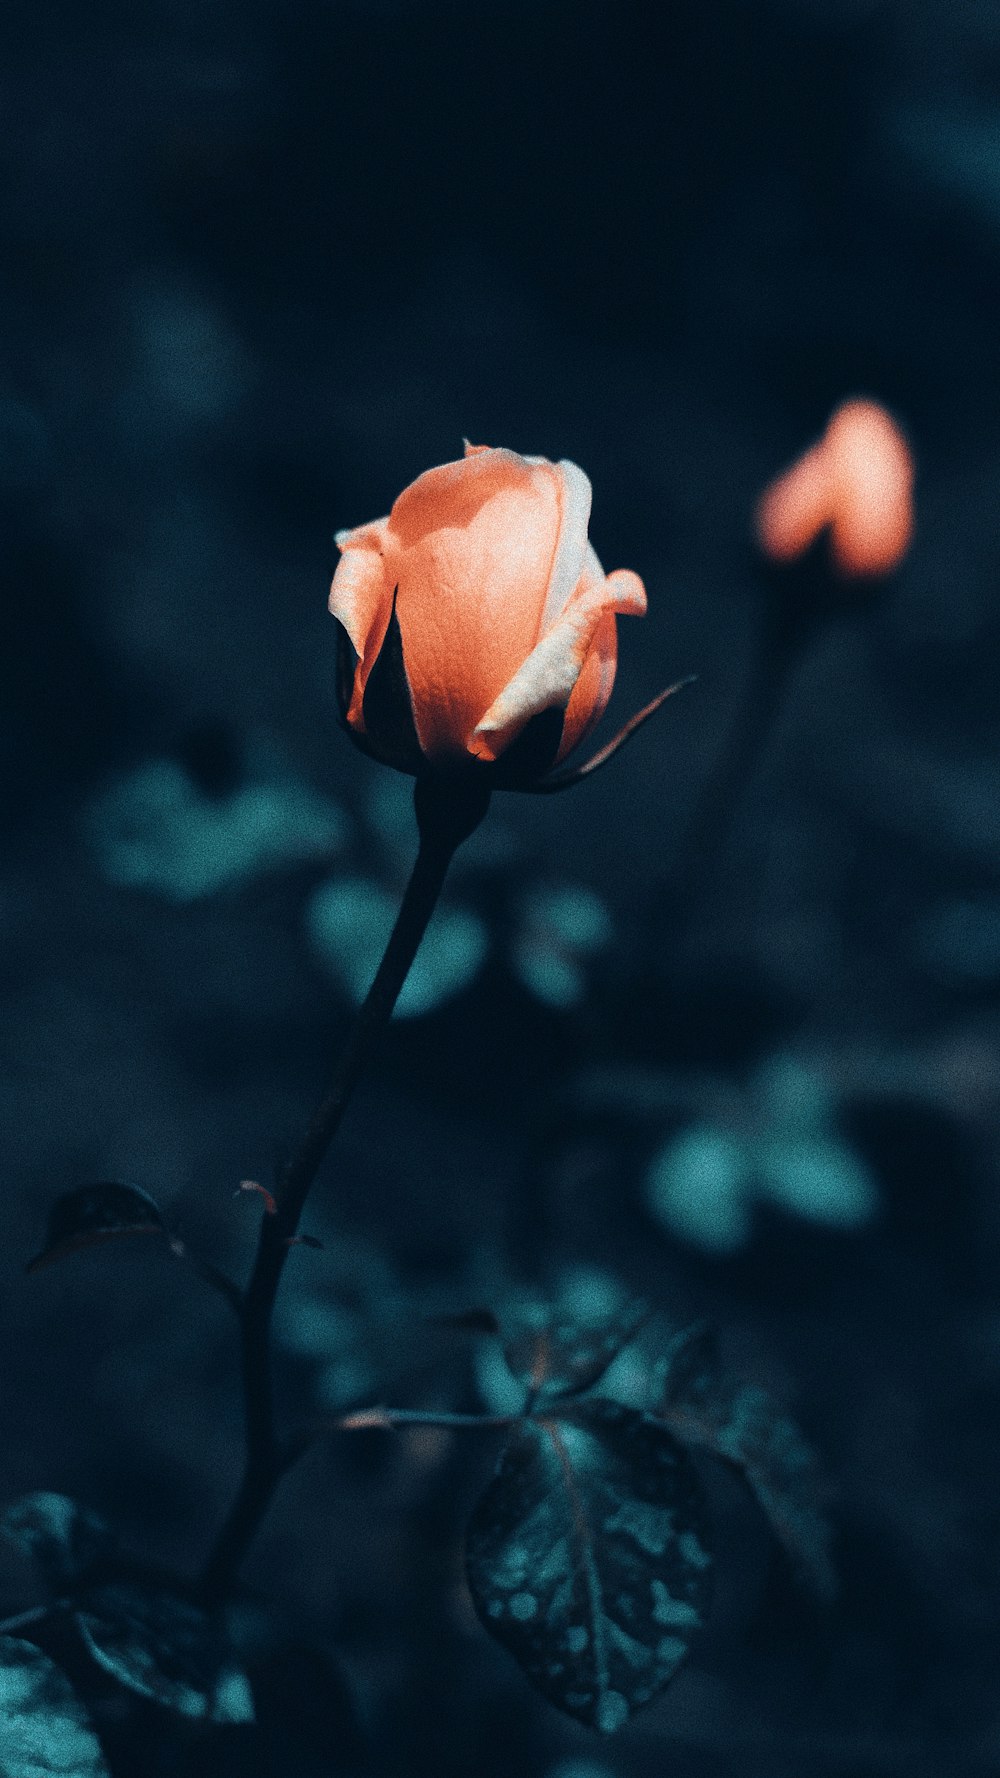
447, 813
789, 623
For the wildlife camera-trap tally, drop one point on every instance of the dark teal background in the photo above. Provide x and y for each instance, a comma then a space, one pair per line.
261, 265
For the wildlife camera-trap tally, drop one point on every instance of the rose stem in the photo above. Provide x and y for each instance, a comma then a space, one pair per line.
447, 813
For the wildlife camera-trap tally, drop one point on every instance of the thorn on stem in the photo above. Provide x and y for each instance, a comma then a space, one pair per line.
365, 1419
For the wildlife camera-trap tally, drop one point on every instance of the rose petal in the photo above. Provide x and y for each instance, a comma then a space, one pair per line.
361, 597
501, 603
872, 475
589, 698
471, 546
553, 668
570, 557
452, 494
858, 479
793, 510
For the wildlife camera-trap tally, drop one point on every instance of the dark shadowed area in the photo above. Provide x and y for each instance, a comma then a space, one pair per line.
717, 1029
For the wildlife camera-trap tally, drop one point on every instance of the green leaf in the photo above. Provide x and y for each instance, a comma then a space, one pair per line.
742, 1425
65, 1539
355, 1325
553, 1355
159, 1644
44, 1729
93, 1214
587, 1557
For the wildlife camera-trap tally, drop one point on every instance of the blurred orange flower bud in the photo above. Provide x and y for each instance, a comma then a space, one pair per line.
857, 481
477, 624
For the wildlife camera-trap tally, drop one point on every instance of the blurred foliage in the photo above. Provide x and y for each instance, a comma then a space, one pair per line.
960, 943
779, 1144
63, 1538
183, 834
161, 1646
346, 1318
349, 924
44, 1726
560, 928
155, 829
959, 153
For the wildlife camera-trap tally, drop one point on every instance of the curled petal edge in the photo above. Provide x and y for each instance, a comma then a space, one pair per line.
361, 599
569, 557
552, 668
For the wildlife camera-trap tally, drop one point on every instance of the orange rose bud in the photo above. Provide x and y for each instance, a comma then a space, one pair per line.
856, 482
477, 625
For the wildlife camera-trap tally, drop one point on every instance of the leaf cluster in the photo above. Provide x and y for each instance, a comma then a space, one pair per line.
589, 1556
146, 1634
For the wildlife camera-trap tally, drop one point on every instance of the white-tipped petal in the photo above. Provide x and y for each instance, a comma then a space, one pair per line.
547, 677
358, 592
627, 593
571, 544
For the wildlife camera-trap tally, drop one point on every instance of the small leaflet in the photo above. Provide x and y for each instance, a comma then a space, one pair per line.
588, 1557
555, 1356
93, 1214
161, 1645
65, 1540
742, 1425
43, 1725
